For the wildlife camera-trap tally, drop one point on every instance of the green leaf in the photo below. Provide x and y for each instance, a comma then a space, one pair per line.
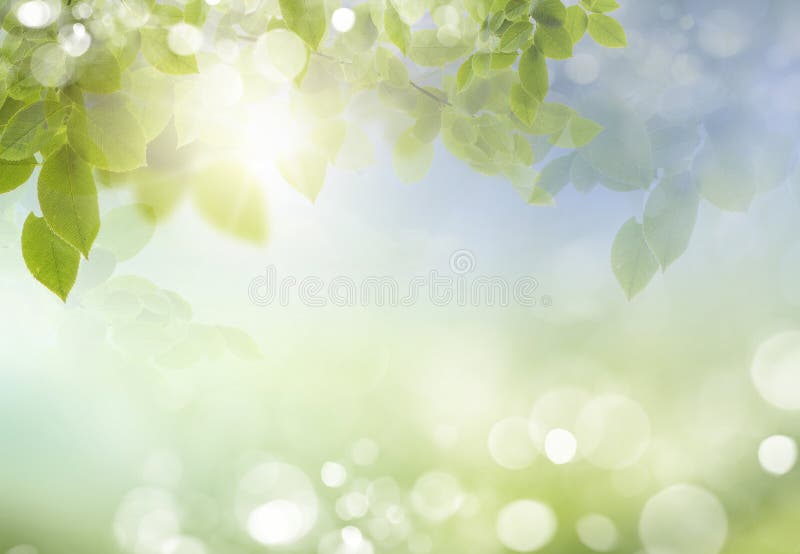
549, 12
464, 75
555, 175
53, 262
157, 52
306, 18
631, 259
582, 175
516, 36
231, 200
523, 105
102, 73
426, 50
600, 6
15, 173
669, 218
724, 175
126, 230
553, 42
481, 64
30, 130
502, 60
607, 31
578, 132
305, 171
68, 198
533, 73
412, 157
396, 29
576, 23
108, 135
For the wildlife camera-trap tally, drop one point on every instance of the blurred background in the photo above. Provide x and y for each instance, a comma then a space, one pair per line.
160, 410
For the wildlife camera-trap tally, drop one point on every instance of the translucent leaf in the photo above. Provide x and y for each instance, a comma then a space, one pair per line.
576, 23
669, 218
481, 64
516, 36
465, 74
533, 73
523, 105
607, 31
549, 12
724, 175
631, 259
578, 132
53, 262
582, 175
305, 171
412, 157
102, 72
306, 18
157, 52
231, 200
600, 6
426, 50
15, 173
108, 135
553, 42
396, 29
151, 95
126, 230
31, 129
68, 198
555, 174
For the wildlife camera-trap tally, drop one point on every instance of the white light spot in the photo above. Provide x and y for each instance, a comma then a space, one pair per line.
212, 2
560, 446
280, 55
343, 19
683, 519
365, 452
526, 525
74, 39
184, 39
22, 549
51, 66
333, 475
723, 33
597, 532
776, 370
353, 505
276, 522
82, 11
777, 454
351, 536
437, 496
35, 14
183, 545
510, 445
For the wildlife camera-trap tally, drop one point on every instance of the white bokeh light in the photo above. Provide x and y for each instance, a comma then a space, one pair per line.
526, 525
777, 454
365, 452
184, 39
343, 19
683, 519
437, 496
333, 474
582, 69
560, 446
36, 14
277, 522
74, 39
510, 445
597, 532
613, 431
776, 370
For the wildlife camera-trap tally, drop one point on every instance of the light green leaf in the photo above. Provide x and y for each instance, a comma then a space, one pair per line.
396, 29
607, 31
502, 60
578, 132
533, 73
464, 75
601, 6
306, 18
481, 64
30, 130
426, 50
53, 262
576, 23
549, 12
126, 230
412, 157
553, 42
305, 171
725, 176
68, 198
15, 173
231, 200
631, 259
108, 135
102, 73
516, 36
582, 175
555, 175
669, 218
151, 94
157, 52
523, 105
